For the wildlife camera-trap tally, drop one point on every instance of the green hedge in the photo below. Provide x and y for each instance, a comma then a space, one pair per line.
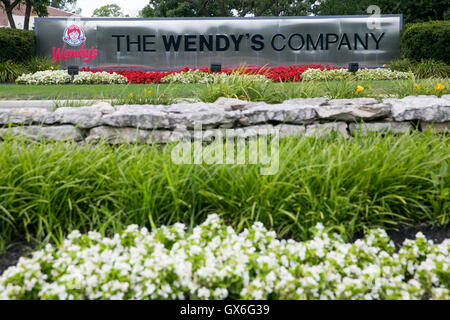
16, 45
427, 40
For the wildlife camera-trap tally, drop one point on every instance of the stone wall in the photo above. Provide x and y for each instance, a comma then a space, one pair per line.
163, 124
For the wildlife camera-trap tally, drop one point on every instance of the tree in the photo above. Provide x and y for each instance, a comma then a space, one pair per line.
226, 8
66, 5
275, 7
9, 6
109, 10
37, 6
189, 8
412, 10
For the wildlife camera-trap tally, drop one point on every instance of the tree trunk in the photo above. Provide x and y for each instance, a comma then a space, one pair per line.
26, 22
12, 24
9, 9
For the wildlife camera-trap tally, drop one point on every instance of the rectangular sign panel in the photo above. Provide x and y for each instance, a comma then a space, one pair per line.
174, 43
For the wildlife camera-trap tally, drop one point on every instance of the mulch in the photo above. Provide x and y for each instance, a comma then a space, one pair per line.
23, 248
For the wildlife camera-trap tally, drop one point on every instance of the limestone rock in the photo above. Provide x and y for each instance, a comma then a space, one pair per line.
258, 113
208, 115
384, 127
55, 133
353, 109
104, 107
289, 130
231, 104
320, 129
137, 116
425, 108
134, 135
307, 101
435, 127
25, 116
84, 117
240, 133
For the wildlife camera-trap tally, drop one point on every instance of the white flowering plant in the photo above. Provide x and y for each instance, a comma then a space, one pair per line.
362, 74
44, 77
212, 261
99, 78
61, 77
196, 76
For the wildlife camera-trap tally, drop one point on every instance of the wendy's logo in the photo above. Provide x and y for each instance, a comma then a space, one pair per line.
74, 35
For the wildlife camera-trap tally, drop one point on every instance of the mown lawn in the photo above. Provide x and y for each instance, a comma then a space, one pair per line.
74, 92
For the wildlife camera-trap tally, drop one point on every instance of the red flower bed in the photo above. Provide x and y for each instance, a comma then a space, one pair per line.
276, 74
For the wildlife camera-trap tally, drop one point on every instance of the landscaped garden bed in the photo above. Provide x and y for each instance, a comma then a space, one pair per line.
213, 261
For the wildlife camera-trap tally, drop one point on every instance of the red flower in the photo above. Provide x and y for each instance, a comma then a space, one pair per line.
276, 74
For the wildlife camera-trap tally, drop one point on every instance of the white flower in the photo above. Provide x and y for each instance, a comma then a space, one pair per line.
214, 262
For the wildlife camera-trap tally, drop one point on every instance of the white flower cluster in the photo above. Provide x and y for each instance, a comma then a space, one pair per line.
363, 74
62, 77
196, 76
99, 78
214, 262
44, 77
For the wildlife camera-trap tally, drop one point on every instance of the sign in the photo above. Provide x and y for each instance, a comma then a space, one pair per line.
168, 43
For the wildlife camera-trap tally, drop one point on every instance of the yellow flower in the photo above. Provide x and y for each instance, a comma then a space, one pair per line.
384, 66
439, 87
131, 94
359, 89
417, 86
51, 68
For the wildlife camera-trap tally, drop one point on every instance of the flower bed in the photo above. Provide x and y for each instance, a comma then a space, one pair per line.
99, 78
276, 74
196, 76
363, 74
62, 77
45, 77
214, 262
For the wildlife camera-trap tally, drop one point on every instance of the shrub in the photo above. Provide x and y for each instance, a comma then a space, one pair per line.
424, 69
427, 40
158, 96
427, 87
9, 71
213, 261
16, 45
242, 86
40, 64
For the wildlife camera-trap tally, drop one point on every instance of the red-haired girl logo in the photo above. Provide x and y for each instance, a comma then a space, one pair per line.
74, 36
